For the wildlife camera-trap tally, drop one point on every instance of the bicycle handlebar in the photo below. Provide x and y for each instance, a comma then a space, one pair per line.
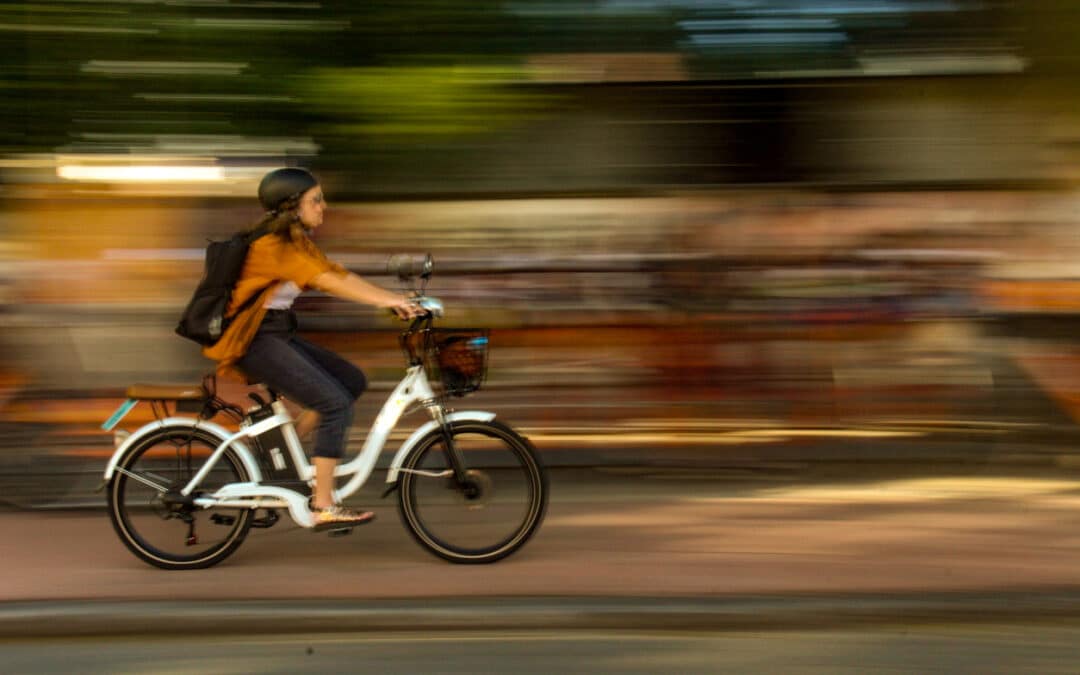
432, 306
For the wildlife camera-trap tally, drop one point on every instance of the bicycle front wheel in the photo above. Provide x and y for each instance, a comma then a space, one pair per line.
166, 535
497, 510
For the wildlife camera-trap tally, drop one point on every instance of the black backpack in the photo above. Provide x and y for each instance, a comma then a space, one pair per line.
204, 318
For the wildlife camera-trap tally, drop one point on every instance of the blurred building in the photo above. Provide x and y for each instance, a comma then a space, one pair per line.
863, 209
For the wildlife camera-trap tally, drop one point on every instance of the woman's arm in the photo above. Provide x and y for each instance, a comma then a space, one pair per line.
351, 287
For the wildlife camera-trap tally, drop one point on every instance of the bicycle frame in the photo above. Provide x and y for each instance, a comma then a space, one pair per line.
413, 389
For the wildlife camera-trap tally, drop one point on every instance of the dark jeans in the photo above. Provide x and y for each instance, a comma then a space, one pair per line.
307, 374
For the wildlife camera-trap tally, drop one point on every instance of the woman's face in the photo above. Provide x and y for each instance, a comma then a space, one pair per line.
311, 208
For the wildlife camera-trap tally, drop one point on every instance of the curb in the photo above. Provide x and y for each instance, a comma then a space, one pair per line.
220, 618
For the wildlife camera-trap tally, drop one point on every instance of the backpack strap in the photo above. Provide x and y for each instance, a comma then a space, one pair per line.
251, 301
249, 239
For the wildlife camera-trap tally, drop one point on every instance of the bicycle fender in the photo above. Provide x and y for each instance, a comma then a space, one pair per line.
411, 441
220, 432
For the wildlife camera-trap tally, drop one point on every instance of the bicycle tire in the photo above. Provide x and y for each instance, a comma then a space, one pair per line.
145, 525
508, 486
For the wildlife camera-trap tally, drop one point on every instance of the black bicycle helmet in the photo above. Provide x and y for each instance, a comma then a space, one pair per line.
281, 184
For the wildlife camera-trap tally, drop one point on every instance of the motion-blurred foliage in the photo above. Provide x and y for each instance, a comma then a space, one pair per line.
411, 104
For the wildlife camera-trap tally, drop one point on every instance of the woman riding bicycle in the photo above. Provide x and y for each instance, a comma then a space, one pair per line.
261, 341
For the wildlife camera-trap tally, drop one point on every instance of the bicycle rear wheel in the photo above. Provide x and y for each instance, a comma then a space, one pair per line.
500, 507
171, 536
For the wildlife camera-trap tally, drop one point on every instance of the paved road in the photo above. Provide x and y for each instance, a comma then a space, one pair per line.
827, 570
623, 533
635, 571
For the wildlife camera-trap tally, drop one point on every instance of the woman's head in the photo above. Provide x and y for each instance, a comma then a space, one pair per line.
281, 185
293, 201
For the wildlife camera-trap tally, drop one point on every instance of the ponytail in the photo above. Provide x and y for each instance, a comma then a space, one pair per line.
284, 221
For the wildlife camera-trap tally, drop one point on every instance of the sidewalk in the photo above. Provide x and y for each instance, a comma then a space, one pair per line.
620, 549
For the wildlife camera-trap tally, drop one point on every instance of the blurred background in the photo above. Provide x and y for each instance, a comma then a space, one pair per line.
724, 233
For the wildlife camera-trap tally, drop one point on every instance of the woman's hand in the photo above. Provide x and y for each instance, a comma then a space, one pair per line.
407, 309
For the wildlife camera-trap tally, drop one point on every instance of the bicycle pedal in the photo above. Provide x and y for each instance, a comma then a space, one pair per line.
219, 519
340, 532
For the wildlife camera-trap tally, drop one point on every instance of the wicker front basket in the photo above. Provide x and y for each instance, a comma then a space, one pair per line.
460, 358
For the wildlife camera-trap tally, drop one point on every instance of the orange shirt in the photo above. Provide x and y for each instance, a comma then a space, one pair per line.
270, 262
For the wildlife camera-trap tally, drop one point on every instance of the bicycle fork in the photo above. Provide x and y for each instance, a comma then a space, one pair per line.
458, 469
457, 462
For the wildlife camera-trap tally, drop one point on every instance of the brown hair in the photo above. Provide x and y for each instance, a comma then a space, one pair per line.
284, 221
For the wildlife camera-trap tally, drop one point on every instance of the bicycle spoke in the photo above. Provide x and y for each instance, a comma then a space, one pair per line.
130, 474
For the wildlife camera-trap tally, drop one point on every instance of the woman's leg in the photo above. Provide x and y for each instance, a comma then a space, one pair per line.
278, 363
324, 482
352, 379
341, 369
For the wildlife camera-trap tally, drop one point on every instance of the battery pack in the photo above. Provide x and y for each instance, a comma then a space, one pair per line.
272, 451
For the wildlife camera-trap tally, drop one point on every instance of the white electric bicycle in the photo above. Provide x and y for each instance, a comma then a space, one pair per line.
183, 492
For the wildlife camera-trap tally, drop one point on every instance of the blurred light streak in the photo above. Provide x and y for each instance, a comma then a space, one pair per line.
53, 28
529, 8
255, 4
860, 7
758, 24
827, 433
606, 67
768, 39
584, 435
41, 161
628, 8
296, 25
920, 489
155, 254
911, 66
928, 254
224, 98
157, 148
164, 68
141, 174
941, 64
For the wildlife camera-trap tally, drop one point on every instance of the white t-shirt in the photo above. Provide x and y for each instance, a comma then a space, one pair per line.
284, 296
